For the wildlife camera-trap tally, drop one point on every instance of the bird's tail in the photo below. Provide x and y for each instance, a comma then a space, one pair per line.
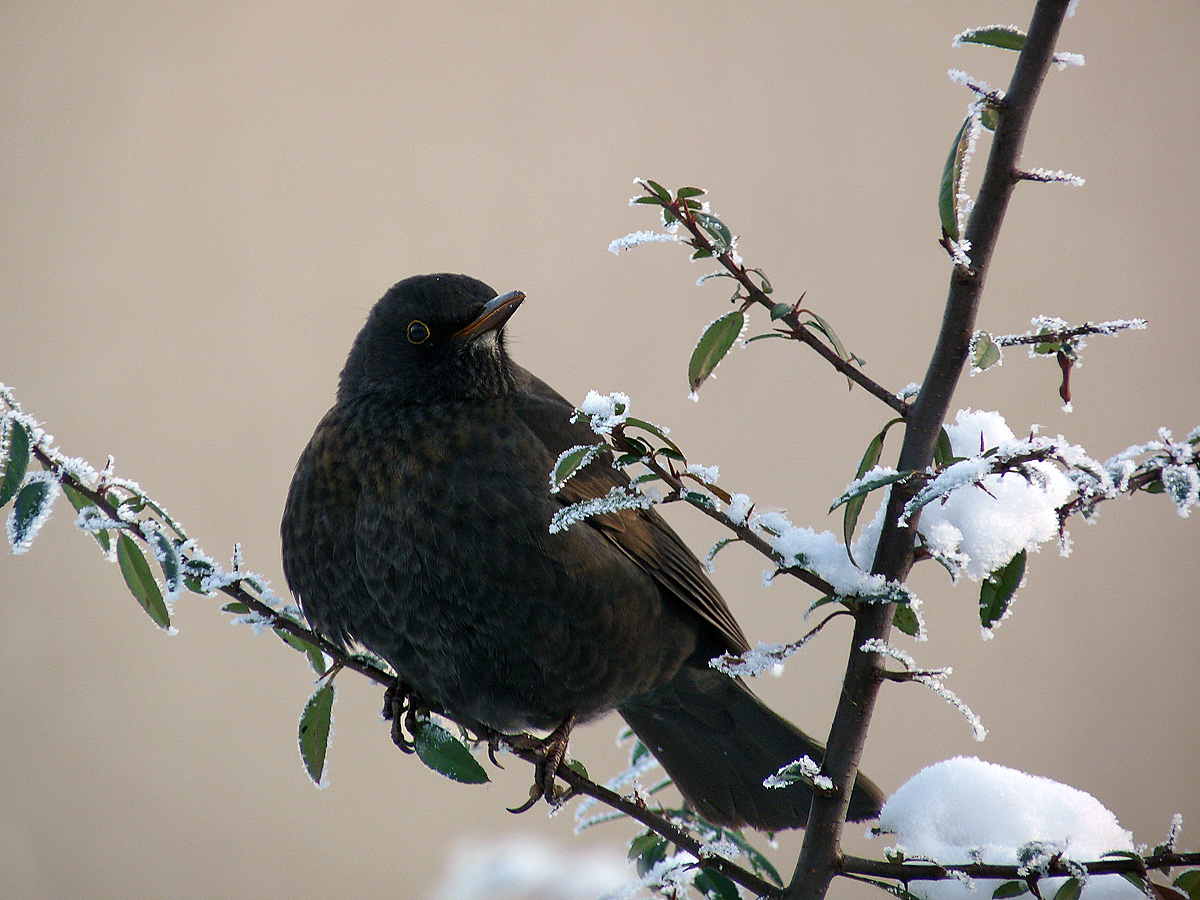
718, 742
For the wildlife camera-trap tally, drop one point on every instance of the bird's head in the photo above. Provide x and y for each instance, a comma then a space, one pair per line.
433, 338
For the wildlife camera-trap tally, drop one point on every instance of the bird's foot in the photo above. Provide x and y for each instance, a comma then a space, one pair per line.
550, 752
403, 708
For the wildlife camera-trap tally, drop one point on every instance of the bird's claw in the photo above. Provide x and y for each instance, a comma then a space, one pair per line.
550, 752
404, 709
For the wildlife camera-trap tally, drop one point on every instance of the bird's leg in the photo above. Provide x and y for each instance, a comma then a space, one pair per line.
401, 706
550, 752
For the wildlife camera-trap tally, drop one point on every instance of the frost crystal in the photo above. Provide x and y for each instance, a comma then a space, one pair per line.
640, 237
707, 474
31, 509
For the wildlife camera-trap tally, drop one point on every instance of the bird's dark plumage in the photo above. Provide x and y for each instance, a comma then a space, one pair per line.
417, 526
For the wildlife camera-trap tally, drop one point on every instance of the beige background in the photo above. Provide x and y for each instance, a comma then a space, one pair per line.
201, 202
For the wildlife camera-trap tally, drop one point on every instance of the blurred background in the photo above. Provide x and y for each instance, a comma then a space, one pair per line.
200, 203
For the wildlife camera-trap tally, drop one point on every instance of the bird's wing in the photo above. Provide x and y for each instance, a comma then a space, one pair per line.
643, 535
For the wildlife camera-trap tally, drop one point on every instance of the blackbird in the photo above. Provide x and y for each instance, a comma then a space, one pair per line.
417, 526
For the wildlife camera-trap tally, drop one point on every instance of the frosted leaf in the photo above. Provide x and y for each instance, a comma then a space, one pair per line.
641, 237
964, 810
1182, 484
909, 392
31, 509
618, 498
934, 679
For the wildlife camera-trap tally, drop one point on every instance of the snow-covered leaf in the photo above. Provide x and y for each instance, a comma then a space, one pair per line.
718, 231
907, 620
31, 509
313, 734
16, 460
714, 343
446, 754
141, 581
571, 461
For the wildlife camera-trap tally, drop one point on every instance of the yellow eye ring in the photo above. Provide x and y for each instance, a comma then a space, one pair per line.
418, 332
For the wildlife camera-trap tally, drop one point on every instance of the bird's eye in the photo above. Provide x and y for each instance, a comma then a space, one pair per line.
418, 332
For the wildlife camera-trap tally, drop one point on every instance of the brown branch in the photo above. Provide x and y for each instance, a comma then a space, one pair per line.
818, 862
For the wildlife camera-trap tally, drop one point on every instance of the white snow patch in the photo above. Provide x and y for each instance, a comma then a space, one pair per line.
964, 810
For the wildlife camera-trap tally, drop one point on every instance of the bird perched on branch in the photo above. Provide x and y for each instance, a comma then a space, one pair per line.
417, 525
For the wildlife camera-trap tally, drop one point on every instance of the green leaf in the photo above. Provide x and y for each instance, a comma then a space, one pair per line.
16, 460
717, 231
989, 117
446, 754
715, 886
997, 590
578, 768
714, 343
141, 581
1010, 889
316, 658
906, 620
652, 852
779, 310
759, 337
80, 502
315, 724
659, 433
641, 844
1189, 883
760, 864
1004, 37
702, 253
986, 354
1070, 890
943, 450
571, 461
951, 176
646, 199
826, 329
766, 282
662, 193
236, 607
854, 506
684, 192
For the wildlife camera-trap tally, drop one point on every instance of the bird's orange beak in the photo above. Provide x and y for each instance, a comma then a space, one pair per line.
493, 315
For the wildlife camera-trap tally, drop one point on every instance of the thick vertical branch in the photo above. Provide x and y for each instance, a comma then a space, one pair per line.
821, 853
